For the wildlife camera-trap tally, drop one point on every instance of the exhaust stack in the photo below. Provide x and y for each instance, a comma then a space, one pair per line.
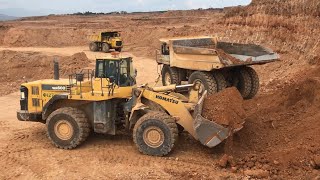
55, 70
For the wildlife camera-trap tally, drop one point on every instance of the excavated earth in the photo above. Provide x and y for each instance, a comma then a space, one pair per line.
281, 135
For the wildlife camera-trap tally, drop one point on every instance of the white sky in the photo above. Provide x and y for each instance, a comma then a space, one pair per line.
71, 6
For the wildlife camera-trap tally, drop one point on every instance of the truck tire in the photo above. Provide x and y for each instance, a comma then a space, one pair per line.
207, 81
170, 75
118, 49
155, 134
244, 84
255, 84
105, 47
67, 127
220, 79
93, 46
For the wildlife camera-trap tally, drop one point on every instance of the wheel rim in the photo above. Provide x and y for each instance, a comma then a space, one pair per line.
202, 87
167, 78
153, 137
63, 129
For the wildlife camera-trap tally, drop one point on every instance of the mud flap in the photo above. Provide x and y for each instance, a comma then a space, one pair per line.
209, 133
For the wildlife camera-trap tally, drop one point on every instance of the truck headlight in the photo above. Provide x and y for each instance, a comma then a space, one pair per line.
22, 95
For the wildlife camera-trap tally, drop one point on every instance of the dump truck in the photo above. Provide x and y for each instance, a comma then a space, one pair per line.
105, 41
215, 64
107, 100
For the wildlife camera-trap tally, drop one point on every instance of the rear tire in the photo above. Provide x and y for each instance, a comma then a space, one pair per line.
244, 84
67, 127
155, 134
206, 79
93, 46
221, 81
255, 83
105, 47
170, 75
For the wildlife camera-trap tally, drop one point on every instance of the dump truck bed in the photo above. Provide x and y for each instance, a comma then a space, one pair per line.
208, 53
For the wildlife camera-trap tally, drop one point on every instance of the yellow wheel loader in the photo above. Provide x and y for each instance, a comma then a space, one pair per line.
106, 41
108, 99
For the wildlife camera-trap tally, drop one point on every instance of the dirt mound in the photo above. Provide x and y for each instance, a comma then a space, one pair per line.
225, 107
19, 67
281, 134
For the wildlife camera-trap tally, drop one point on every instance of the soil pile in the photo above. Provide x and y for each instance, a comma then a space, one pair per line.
225, 108
19, 67
282, 131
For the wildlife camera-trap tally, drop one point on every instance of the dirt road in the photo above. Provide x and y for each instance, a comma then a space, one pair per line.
26, 153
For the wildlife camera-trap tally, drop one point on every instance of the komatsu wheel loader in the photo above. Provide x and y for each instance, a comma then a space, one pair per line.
108, 99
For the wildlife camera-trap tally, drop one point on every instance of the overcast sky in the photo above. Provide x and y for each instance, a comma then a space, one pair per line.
41, 7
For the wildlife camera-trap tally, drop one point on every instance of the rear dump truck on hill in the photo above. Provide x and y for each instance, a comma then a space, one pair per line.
105, 41
108, 100
216, 65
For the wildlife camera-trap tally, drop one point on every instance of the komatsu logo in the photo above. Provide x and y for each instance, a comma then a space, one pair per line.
171, 100
54, 87
59, 88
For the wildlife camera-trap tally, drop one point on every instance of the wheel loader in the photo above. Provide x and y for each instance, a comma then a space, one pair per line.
106, 41
107, 100
215, 64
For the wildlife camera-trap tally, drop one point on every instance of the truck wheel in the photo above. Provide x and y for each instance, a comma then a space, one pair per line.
155, 134
254, 82
207, 81
170, 75
67, 127
105, 47
244, 82
221, 81
118, 49
93, 46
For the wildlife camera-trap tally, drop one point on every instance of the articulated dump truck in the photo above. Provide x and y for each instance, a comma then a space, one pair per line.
216, 65
107, 100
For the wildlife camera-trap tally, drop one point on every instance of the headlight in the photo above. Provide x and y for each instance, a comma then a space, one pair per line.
22, 95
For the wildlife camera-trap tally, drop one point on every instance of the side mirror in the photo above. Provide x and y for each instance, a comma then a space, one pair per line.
79, 77
111, 79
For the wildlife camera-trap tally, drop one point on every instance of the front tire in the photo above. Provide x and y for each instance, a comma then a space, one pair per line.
206, 80
67, 127
170, 75
155, 134
105, 47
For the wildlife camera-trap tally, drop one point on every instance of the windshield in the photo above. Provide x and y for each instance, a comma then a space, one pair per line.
121, 71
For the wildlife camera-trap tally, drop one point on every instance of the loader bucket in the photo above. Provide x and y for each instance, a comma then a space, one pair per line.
208, 132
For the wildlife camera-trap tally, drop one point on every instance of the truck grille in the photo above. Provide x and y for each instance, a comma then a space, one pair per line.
119, 43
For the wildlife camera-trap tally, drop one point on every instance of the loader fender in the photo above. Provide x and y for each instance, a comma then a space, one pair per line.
46, 108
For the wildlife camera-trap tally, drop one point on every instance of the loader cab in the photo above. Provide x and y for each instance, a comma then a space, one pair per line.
119, 71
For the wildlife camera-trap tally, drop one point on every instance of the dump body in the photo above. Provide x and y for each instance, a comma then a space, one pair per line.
207, 54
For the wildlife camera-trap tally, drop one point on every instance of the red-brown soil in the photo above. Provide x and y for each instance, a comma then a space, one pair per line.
280, 138
19, 67
225, 108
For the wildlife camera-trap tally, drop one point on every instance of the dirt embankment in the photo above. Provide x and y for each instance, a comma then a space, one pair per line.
19, 67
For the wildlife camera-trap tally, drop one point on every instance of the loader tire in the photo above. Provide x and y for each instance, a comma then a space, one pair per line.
255, 84
207, 81
155, 134
93, 46
244, 84
118, 49
67, 127
221, 81
170, 75
105, 47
